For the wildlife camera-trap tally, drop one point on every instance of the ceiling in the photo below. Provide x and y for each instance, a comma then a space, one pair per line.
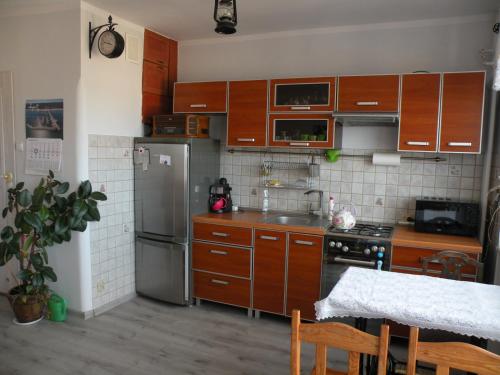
192, 19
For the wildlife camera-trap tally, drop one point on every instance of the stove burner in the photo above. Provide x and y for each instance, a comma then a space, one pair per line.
366, 230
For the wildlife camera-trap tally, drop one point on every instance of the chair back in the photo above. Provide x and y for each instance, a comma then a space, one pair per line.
452, 263
340, 336
451, 355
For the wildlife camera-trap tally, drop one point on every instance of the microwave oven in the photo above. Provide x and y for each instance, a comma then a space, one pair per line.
434, 215
181, 125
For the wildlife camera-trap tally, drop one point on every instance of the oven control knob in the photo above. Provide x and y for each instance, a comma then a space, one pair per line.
339, 244
332, 243
381, 249
345, 249
374, 248
366, 251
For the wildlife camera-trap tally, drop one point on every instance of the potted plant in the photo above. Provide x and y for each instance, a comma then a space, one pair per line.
42, 218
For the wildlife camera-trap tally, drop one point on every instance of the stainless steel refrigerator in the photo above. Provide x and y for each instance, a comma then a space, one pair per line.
171, 183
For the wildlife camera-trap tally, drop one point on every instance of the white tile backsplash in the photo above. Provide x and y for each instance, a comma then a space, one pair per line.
379, 193
112, 238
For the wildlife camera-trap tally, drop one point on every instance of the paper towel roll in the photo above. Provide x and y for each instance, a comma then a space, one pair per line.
386, 159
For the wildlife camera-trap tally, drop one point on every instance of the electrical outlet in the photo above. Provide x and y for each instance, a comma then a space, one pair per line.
101, 286
103, 188
126, 229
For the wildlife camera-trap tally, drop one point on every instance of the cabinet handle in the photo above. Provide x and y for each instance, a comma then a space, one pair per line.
307, 243
218, 252
417, 143
220, 282
270, 238
299, 144
367, 103
161, 61
245, 139
460, 144
355, 262
198, 105
300, 108
220, 234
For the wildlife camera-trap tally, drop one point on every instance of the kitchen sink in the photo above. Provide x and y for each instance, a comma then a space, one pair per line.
298, 220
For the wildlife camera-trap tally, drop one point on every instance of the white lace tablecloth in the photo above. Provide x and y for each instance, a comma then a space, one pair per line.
462, 307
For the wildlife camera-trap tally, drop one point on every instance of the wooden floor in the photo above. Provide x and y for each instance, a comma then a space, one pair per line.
147, 337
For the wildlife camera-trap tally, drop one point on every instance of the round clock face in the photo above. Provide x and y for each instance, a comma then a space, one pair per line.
111, 44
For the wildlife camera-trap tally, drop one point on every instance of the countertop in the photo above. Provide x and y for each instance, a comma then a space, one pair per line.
403, 235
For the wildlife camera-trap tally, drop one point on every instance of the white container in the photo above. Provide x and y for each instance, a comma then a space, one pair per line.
265, 201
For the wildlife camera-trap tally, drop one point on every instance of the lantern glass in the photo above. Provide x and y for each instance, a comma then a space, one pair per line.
225, 11
225, 16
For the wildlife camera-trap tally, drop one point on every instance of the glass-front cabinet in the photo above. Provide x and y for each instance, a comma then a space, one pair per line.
302, 94
301, 130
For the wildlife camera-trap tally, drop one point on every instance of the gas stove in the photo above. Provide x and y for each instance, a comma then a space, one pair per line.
365, 230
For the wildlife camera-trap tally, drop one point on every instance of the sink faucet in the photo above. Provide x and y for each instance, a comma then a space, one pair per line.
320, 195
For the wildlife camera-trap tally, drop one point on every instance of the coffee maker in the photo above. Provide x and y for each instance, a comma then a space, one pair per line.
219, 200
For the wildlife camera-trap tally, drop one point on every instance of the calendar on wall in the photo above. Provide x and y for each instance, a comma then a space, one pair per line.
42, 155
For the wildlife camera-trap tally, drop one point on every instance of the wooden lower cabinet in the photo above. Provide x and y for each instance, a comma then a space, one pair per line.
305, 253
269, 271
219, 288
222, 259
222, 233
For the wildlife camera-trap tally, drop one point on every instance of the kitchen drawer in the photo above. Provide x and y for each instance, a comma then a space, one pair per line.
411, 257
368, 93
221, 259
223, 234
225, 289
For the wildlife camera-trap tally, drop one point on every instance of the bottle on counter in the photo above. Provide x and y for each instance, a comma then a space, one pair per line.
331, 205
265, 201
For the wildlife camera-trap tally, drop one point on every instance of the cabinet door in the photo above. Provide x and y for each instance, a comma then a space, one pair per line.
247, 113
152, 105
301, 130
155, 78
302, 94
462, 112
305, 254
368, 93
156, 48
269, 271
419, 117
204, 97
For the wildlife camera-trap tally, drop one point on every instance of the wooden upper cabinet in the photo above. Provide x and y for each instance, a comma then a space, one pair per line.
155, 78
378, 93
419, 117
247, 113
152, 105
302, 94
172, 67
269, 271
462, 112
305, 254
204, 97
156, 48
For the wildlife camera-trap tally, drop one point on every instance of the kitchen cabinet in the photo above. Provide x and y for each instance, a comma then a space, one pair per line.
302, 94
301, 130
462, 112
419, 116
156, 48
269, 271
155, 78
228, 260
305, 254
247, 113
378, 93
221, 288
204, 97
222, 233
153, 104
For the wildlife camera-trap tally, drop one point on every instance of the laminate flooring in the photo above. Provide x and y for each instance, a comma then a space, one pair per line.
152, 338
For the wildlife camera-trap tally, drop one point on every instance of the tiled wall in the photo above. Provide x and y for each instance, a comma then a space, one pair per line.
112, 238
379, 193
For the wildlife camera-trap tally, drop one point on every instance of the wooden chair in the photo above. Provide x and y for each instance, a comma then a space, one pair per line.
452, 263
340, 336
446, 355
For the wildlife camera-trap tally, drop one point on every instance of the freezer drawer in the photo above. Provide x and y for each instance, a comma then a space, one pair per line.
161, 270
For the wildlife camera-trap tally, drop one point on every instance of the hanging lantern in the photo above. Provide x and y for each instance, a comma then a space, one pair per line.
225, 16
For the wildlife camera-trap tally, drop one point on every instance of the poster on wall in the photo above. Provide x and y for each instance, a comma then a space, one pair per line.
44, 118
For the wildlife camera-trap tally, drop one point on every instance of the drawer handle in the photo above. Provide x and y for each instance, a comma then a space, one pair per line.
300, 108
198, 105
218, 252
355, 262
299, 144
417, 143
270, 238
460, 144
220, 282
245, 139
366, 103
307, 243
220, 234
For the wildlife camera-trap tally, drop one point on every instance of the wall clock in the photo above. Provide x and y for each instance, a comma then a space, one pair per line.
111, 44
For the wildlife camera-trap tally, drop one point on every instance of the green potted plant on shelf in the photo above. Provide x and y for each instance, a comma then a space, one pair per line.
42, 218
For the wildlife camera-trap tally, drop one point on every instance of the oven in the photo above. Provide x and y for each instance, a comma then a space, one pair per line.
341, 252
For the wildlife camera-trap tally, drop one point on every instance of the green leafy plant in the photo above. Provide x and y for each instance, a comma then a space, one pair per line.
42, 218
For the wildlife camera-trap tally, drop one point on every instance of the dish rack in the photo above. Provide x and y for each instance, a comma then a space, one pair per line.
274, 176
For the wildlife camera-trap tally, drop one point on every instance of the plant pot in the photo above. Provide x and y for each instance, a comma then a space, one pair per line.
27, 309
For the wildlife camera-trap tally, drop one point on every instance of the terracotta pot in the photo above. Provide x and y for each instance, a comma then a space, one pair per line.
26, 311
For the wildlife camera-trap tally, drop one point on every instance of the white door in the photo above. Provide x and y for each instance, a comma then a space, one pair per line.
7, 163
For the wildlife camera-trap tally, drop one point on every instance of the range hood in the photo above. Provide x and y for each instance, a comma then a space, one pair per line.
367, 118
